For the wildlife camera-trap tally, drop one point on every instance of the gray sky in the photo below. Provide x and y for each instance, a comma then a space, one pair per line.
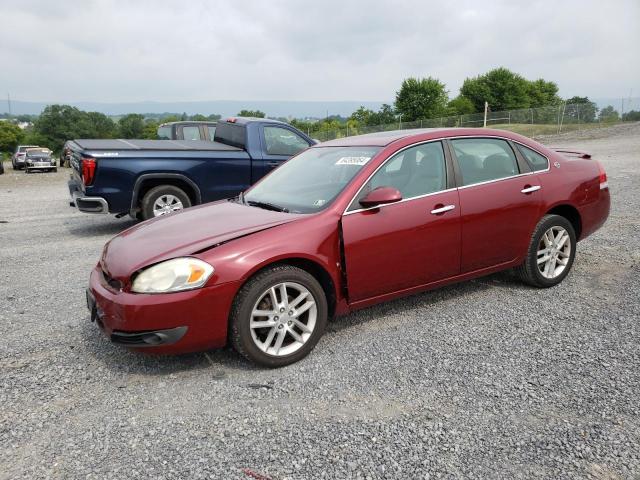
134, 50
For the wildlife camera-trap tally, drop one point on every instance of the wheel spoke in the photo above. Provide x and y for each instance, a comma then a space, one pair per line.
301, 326
283, 295
543, 259
563, 254
307, 305
281, 334
298, 299
274, 298
296, 336
262, 324
262, 313
269, 339
562, 241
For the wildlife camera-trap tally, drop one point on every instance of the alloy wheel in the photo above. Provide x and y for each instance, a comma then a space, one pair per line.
283, 318
554, 252
166, 204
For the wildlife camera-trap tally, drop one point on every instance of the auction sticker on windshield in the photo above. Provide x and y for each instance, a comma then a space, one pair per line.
353, 160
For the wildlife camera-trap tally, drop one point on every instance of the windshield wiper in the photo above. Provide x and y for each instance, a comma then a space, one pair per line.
267, 206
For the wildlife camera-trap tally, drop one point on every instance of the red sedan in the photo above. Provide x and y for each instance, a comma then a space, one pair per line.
343, 225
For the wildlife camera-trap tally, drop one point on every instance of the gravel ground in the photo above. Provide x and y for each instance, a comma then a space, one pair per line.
486, 379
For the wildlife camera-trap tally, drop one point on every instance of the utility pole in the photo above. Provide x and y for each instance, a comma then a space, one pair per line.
400, 122
9, 103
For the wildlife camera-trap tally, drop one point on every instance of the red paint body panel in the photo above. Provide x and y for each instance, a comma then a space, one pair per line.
203, 311
389, 252
401, 245
497, 221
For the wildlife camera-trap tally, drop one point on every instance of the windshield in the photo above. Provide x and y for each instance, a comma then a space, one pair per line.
312, 180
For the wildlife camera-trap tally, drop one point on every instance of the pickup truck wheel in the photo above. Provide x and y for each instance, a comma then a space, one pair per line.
551, 252
162, 200
278, 316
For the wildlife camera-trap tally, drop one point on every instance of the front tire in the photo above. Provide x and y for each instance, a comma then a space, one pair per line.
162, 200
278, 316
551, 252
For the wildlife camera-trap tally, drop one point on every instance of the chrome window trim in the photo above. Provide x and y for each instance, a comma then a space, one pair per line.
441, 140
396, 203
503, 178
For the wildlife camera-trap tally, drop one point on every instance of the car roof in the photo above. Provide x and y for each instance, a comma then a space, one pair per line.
245, 120
189, 122
382, 139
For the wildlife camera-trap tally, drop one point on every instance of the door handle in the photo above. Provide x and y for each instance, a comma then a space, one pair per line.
274, 164
530, 189
439, 210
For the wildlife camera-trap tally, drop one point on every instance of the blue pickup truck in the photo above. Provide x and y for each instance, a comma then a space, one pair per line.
149, 178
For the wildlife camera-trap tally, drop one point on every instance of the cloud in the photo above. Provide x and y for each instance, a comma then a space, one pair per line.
120, 50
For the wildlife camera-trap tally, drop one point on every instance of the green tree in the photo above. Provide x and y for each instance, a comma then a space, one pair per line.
609, 114
150, 130
460, 106
10, 136
581, 109
170, 118
362, 116
384, 116
131, 126
214, 117
420, 98
251, 113
198, 118
59, 123
542, 93
502, 88
631, 116
99, 125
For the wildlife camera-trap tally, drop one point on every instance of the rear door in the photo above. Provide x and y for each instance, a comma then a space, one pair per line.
410, 243
279, 144
500, 201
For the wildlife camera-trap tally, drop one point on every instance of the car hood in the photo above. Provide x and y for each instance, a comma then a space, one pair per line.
185, 233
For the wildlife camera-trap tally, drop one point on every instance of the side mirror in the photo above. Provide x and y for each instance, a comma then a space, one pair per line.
381, 196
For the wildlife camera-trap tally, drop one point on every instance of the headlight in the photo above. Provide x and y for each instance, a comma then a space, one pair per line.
173, 276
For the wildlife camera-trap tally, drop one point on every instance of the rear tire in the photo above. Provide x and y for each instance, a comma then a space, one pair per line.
154, 197
551, 252
301, 323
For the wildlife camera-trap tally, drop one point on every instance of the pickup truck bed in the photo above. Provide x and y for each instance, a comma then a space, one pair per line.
146, 145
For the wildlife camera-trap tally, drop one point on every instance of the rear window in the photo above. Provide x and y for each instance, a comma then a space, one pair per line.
537, 161
231, 134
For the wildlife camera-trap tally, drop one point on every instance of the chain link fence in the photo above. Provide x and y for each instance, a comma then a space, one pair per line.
532, 122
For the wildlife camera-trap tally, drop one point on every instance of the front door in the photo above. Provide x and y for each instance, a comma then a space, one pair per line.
406, 244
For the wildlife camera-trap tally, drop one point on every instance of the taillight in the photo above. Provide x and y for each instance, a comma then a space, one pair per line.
602, 177
88, 170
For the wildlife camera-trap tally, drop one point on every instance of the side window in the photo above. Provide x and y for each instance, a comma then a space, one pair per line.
212, 132
164, 133
282, 141
191, 132
416, 171
537, 161
484, 159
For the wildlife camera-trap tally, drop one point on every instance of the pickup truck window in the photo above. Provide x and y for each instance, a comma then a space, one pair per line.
231, 134
191, 132
164, 133
310, 181
281, 141
212, 132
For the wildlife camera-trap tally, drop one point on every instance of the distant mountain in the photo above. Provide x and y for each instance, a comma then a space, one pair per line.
285, 108
294, 109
